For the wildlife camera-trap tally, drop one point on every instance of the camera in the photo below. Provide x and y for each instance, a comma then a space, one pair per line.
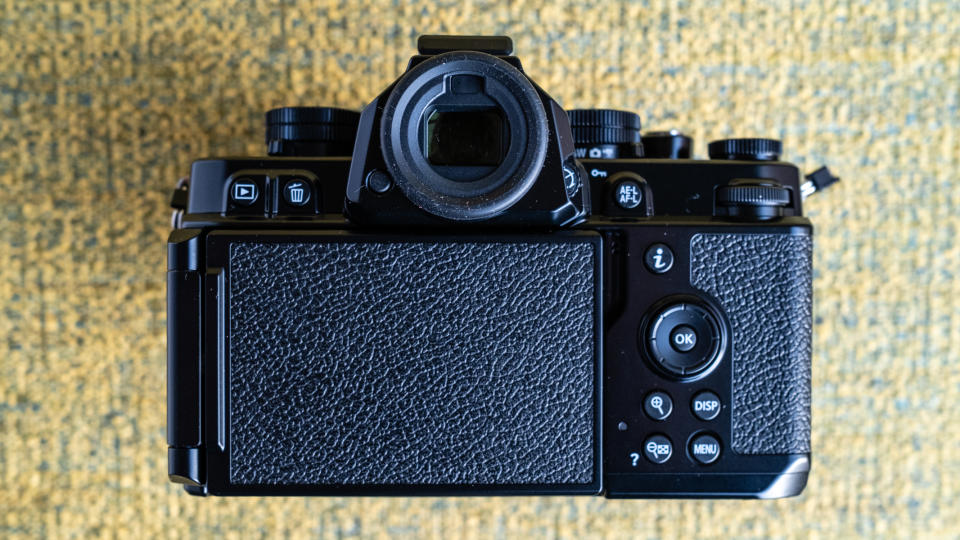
465, 289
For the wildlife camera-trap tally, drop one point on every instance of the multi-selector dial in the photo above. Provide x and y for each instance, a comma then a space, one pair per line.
684, 339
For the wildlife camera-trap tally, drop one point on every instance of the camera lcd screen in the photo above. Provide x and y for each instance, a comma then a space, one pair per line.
465, 138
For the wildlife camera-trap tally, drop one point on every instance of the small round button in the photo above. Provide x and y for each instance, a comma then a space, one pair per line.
658, 405
628, 194
296, 192
379, 181
658, 449
658, 258
706, 405
683, 338
244, 192
705, 448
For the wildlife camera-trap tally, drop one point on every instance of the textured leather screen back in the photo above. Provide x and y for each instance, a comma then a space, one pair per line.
358, 361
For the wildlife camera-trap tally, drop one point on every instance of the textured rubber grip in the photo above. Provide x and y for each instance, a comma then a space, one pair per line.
763, 284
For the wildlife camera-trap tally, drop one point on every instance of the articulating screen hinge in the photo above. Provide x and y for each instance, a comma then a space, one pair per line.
184, 377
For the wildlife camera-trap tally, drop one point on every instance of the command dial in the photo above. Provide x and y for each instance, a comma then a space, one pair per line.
752, 199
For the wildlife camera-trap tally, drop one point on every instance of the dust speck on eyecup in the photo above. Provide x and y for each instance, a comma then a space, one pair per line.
311, 131
425, 185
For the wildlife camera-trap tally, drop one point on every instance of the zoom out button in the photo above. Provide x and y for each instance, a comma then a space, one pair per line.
657, 449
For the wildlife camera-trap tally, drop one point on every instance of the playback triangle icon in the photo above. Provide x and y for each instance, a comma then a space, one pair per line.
244, 192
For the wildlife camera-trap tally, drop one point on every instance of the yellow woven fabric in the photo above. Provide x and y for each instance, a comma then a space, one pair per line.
103, 105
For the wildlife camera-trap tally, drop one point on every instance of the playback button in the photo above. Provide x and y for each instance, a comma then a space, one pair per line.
244, 191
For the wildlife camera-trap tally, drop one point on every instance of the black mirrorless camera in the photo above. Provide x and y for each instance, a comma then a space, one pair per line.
466, 290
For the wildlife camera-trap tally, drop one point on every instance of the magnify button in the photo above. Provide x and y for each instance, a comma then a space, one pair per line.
658, 405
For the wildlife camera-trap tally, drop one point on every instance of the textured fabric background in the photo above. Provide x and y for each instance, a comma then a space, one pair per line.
103, 105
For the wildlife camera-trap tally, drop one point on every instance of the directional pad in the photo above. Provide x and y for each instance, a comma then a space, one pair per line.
684, 339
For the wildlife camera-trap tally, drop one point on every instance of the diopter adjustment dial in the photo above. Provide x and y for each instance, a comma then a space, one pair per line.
752, 199
746, 149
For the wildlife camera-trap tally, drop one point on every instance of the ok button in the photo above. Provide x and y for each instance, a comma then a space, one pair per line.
683, 338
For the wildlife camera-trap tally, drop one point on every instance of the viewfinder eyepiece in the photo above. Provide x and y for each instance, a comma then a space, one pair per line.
466, 138
464, 135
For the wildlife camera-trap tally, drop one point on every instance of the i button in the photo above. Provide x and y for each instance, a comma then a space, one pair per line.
658, 258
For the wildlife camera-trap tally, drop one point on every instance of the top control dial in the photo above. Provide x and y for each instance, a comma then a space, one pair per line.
606, 133
752, 199
746, 149
311, 131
